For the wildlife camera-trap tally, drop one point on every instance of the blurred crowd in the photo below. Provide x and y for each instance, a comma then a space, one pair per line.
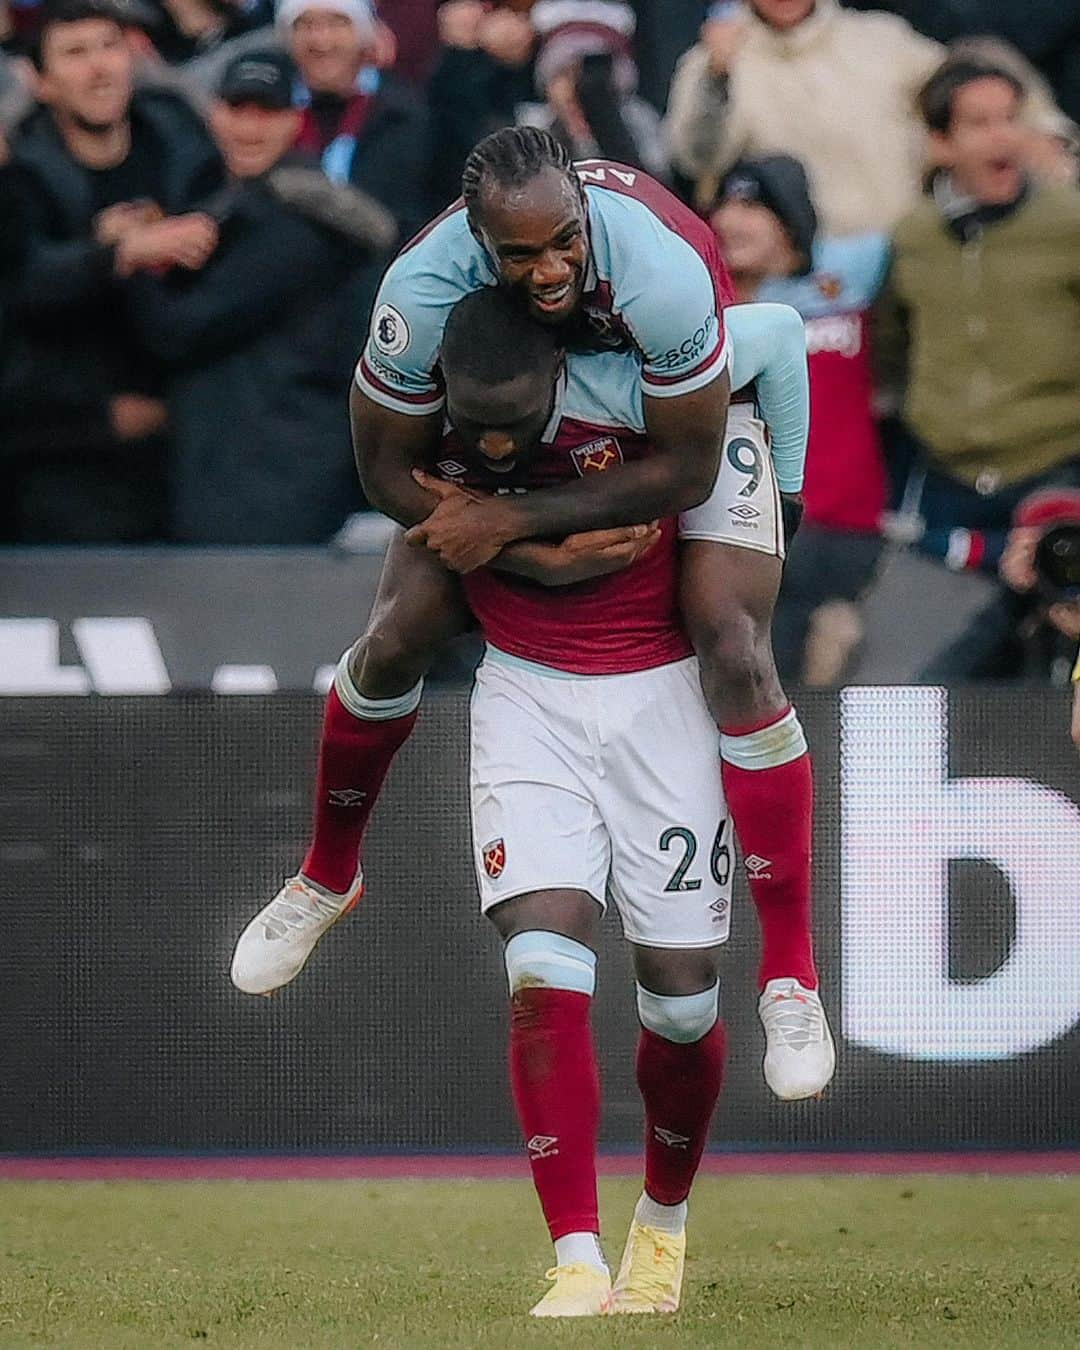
197, 199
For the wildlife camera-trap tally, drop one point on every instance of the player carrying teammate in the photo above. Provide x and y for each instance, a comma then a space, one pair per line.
619, 264
592, 772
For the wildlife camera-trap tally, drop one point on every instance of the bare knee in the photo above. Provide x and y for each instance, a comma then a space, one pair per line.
674, 973
678, 992
572, 914
387, 662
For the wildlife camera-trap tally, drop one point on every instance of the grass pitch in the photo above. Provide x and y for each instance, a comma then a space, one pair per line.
774, 1262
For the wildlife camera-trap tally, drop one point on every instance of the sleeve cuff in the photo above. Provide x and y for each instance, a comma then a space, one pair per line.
671, 386
412, 405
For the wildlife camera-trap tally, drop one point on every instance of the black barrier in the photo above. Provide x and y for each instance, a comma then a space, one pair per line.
136, 620
140, 834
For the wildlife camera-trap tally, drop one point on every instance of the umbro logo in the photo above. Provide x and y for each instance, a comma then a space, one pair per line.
670, 1138
540, 1145
744, 512
451, 468
757, 867
719, 909
346, 796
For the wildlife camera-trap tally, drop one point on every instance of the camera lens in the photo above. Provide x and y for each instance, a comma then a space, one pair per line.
1057, 560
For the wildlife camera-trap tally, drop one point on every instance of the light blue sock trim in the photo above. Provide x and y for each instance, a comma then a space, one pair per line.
372, 709
680, 1018
551, 960
768, 748
768, 343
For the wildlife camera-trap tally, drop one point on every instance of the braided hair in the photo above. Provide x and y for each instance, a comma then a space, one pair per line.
512, 157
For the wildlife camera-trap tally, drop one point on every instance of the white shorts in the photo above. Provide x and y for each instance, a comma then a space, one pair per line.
606, 784
744, 507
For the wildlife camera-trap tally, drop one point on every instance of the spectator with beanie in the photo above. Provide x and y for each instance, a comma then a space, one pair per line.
367, 126
103, 179
767, 226
586, 72
258, 341
978, 332
832, 88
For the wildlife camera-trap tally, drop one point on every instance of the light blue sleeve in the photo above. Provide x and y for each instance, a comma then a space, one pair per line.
663, 289
768, 345
847, 274
420, 288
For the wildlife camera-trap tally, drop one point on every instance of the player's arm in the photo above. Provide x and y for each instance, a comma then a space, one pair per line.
396, 402
388, 446
687, 433
769, 350
577, 558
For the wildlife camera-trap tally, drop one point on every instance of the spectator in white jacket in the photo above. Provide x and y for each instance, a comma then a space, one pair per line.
833, 88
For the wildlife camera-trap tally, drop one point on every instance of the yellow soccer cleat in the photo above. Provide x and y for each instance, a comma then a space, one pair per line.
579, 1290
651, 1274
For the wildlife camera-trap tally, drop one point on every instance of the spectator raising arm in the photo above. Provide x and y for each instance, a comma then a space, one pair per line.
807, 78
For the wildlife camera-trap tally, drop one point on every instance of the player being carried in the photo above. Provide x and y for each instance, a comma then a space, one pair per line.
619, 266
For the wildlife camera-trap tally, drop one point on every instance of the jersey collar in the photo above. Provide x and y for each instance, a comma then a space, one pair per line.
551, 430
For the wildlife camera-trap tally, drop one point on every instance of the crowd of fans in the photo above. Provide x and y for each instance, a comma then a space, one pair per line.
197, 199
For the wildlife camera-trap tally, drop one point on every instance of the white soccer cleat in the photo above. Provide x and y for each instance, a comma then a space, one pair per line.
579, 1290
800, 1057
276, 944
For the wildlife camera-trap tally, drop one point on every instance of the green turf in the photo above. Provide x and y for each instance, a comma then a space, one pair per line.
779, 1262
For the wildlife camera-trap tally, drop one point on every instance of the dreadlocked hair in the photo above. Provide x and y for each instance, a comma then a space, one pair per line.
510, 158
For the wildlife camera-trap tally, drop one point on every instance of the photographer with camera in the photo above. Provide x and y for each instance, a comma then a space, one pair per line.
587, 75
1042, 558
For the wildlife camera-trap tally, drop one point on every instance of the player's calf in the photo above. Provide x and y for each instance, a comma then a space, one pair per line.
680, 1065
360, 737
556, 1091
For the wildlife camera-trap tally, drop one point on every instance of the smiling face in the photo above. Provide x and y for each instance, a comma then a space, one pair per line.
86, 72
754, 240
329, 51
983, 147
500, 425
535, 234
252, 138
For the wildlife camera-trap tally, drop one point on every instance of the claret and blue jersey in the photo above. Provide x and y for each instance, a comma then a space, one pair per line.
656, 278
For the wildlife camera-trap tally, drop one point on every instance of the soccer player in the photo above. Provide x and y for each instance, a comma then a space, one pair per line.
592, 773
619, 265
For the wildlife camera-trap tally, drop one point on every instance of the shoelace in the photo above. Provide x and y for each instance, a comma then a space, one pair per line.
652, 1266
284, 914
797, 1023
574, 1268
